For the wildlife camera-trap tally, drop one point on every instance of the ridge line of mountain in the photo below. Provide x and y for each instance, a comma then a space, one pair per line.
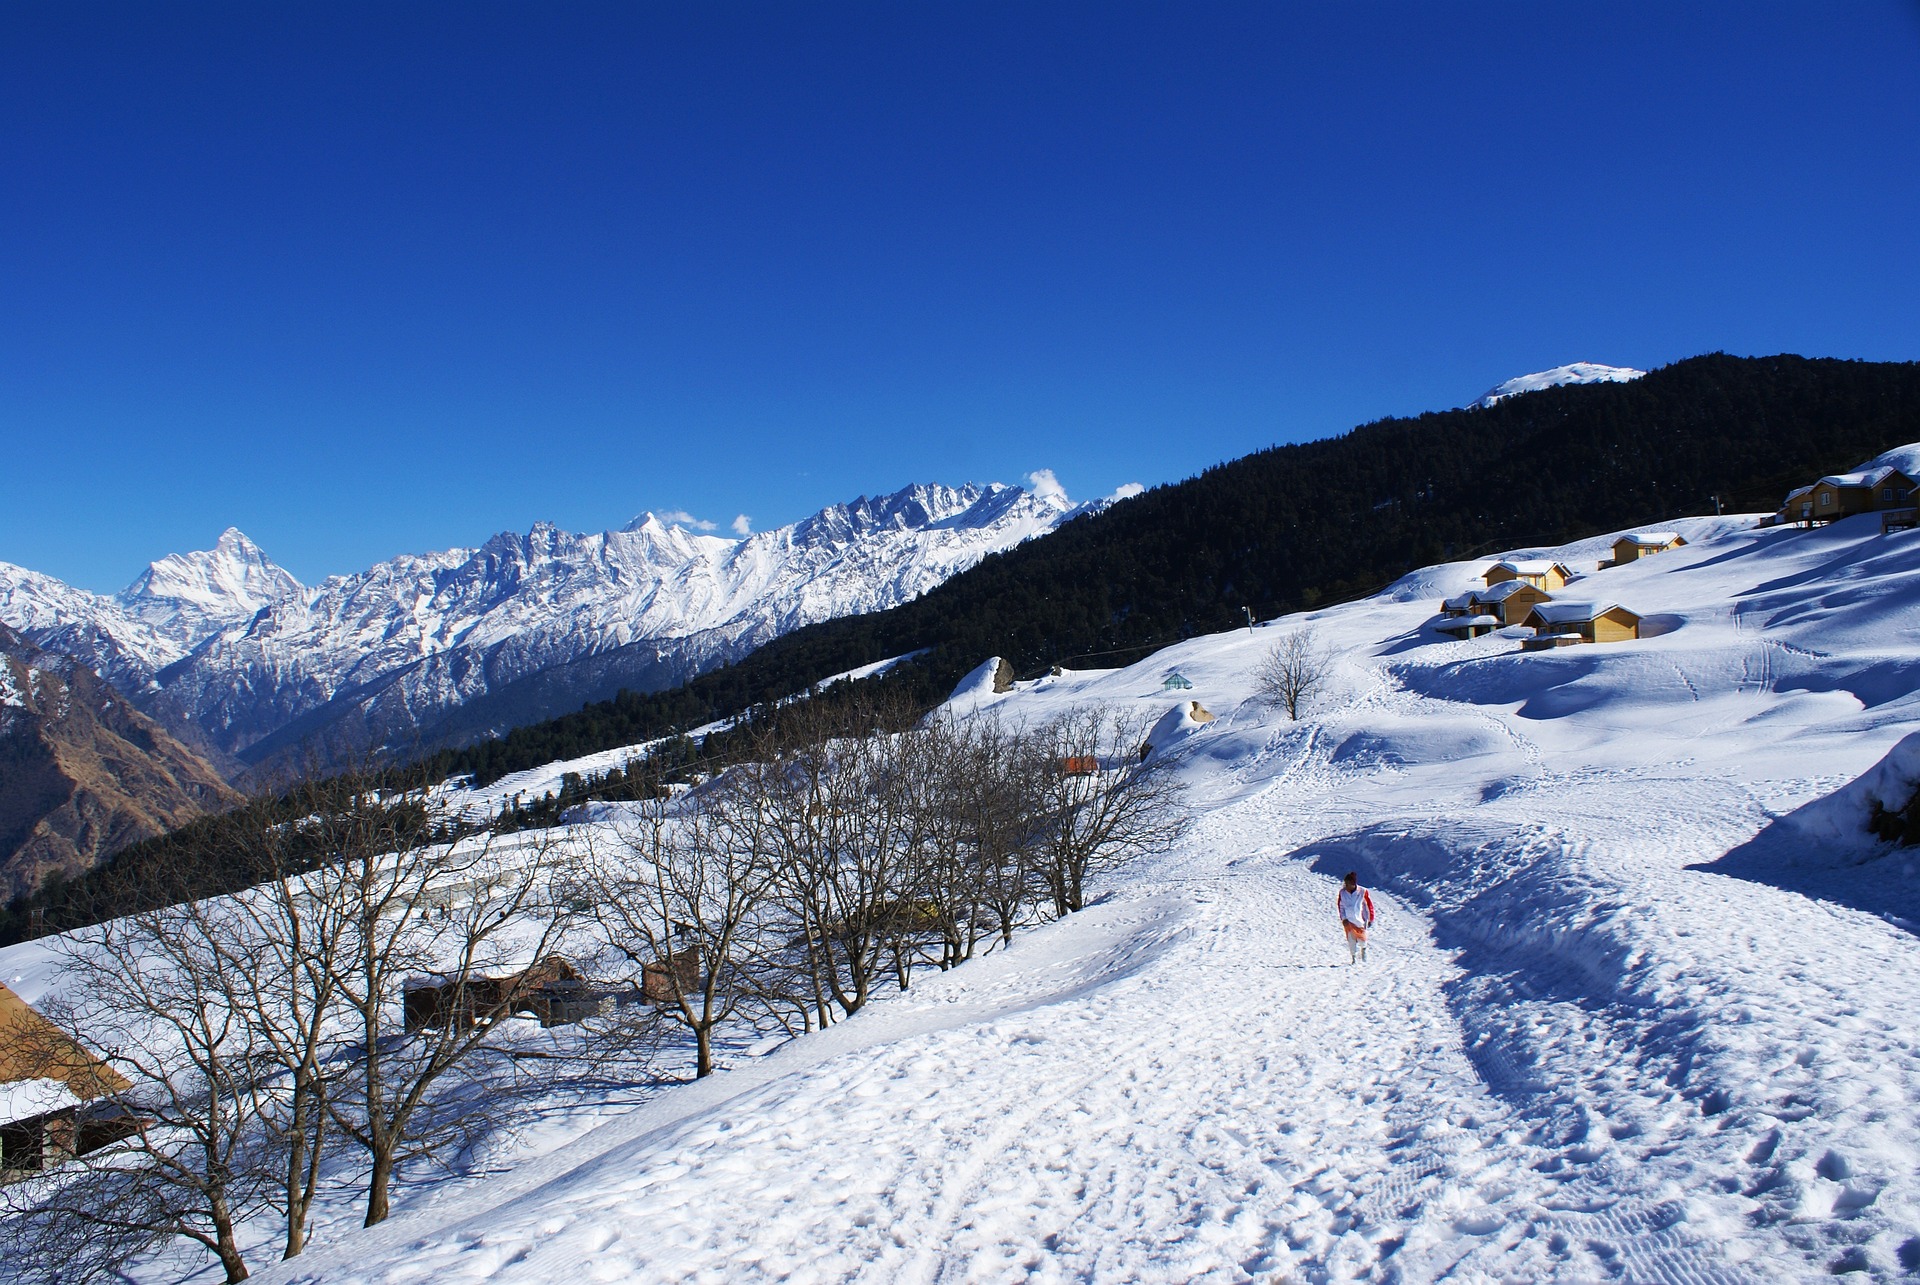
1304, 525
236, 656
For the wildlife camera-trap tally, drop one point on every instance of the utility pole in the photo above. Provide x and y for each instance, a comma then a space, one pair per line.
1249, 611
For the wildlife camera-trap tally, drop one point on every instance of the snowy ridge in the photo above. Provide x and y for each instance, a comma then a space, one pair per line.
1622, 1019
1579, 372
232, 644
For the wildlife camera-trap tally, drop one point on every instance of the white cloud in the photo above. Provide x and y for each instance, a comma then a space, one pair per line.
1046, 486
742, 525
1127, 490
680, 517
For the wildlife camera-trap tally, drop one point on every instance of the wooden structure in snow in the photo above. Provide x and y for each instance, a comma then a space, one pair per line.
1468, 626
1842, 495
551, 990
1541, 573
666, 980
1506, 602
47, 1082
1642, 544
1563, 624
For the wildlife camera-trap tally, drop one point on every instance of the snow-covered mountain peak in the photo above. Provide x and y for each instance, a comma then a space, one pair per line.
227, 640
191, 593
1579, 372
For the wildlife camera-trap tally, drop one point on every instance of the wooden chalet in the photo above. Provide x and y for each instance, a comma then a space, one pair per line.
1563, 624
50, 1088
1541, 573
550, 988
1481, 611
1797, 507
1843, 495
1510, 600
1643, 544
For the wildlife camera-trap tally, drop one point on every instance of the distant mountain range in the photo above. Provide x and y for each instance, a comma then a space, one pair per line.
254, 668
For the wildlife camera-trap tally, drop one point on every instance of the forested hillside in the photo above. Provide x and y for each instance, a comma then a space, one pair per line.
1303, 525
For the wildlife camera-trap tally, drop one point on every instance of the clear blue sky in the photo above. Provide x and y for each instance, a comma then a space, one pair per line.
370, 279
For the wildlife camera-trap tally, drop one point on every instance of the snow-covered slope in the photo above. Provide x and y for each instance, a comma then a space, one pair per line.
1579, 372
1625, 1017
526, 624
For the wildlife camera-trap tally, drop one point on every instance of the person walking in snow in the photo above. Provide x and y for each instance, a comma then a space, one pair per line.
1356, 916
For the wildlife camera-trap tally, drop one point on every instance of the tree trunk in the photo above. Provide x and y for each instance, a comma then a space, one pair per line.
377, 1187
224, 1244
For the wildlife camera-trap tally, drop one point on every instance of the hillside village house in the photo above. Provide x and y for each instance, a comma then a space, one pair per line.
1643, 544
1842, 495
1506, 602
46, 1084
1541, 573
1562, 624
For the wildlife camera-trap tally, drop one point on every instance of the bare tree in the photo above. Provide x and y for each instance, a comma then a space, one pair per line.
1102, 803
978, 874
469, 921
1293, 672
155, 994
843, 826
682, 897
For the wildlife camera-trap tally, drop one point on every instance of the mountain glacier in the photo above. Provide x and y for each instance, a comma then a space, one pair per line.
230, 649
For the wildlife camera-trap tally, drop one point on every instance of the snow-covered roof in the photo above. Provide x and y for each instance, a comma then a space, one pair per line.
1460, 624
1463, 602
36, 1054
1533, 566
1866, 477
1649, 539
1797, 492
25, 1099
1502, 590
1573, 613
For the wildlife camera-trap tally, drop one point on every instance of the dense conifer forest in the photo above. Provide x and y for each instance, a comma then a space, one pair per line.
1297, 526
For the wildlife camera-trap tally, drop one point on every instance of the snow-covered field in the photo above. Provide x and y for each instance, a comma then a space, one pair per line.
1625, 1016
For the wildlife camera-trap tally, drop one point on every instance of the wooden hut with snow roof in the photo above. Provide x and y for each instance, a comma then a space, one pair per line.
1541, 573
1843, 495
48, 1084
1564, 624
1510, 600
1643, 544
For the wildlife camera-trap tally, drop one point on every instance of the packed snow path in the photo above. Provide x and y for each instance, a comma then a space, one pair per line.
1188, 1082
